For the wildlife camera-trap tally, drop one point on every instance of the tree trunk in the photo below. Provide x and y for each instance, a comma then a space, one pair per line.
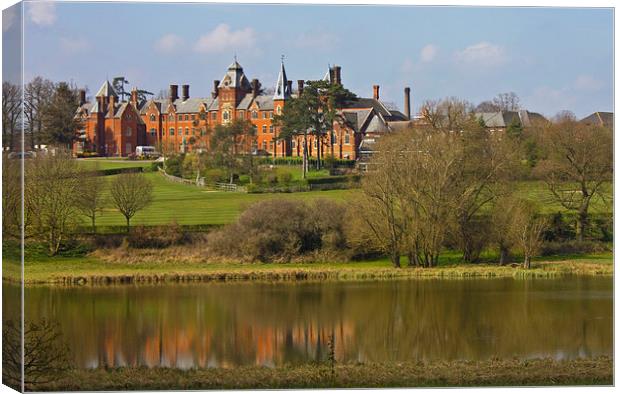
582, 223
318, 153
305, 154
127, 217
527, 262
395, 257
93, 223
412, 259
503, 255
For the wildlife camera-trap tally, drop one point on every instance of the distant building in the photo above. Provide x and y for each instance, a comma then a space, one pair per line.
183, 124
500, 120
605, 119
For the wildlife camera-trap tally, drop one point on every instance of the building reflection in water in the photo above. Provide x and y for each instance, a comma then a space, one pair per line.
225, 325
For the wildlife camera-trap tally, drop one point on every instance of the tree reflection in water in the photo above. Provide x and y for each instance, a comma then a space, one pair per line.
224, 325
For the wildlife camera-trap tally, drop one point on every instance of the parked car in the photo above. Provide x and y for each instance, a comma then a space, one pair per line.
22, 155
146, 151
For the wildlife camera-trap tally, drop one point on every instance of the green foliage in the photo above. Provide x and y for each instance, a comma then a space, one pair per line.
174, 165
58, 116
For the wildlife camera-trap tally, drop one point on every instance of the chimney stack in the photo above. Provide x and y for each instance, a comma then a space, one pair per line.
101, 101
300, 86
111, 106
134, 97
337, 79
185, 92
215, 85
289, 84
255, 87
173, 94
82, 94
375, 92
408, 103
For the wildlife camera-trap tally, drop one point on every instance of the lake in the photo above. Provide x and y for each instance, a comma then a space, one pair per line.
230, 324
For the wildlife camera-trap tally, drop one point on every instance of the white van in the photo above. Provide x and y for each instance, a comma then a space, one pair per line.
146, 151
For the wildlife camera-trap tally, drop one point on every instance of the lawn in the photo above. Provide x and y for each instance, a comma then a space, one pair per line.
108, 163
190, 205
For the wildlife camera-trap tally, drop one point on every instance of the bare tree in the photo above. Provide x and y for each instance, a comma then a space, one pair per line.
36, 94
11, 115
11, 197
131, 192
450, 113
578, 163
487, 106
51, 188
45, 354
507, 101
90, 200
502, 217
527, 229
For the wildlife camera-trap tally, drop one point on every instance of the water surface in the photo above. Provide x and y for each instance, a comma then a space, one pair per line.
228, 324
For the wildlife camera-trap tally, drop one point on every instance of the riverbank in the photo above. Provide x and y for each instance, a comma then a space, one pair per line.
537, 372
96, 271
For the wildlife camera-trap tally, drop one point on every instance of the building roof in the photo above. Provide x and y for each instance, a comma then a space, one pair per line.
283, 91
605, 119
502, 119
106, 90
235, 78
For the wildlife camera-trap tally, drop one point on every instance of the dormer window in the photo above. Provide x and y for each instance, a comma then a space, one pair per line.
254, 115
152, 118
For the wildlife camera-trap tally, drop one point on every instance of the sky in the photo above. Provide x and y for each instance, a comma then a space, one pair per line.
553, 58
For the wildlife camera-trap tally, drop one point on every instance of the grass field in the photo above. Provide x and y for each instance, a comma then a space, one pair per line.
189, 205
430, 373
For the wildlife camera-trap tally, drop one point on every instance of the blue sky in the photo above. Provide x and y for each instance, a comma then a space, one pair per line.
553, 58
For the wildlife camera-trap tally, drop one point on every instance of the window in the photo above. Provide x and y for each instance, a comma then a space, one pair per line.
333, 139
202, 132
347, 139
187, 131
264, 115
179, 117
264, 129
186, 117
193, 117
293, 144
254, 115
214, 115
226, 116
171, 118
153, 132
152, 118
279, 109
271, 129
264, 145
202, 116
271, 114
172, 131
128, 132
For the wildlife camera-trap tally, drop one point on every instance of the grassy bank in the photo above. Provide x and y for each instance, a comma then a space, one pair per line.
538, 372
154, 266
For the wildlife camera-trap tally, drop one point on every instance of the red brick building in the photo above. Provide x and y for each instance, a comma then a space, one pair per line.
182, 123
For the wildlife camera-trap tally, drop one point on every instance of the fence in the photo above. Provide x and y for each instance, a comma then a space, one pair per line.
228, 187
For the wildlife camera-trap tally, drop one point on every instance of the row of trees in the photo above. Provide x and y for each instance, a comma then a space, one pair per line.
48, 115
451, 184
58, 193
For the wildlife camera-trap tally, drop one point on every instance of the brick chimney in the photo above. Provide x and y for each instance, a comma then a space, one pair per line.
101, 107
173, 93
215, 91
407, 102
337, 78
184, 92
375, 92
82, 95
134, 97
111, 106
300, 86
289, 84
255, 87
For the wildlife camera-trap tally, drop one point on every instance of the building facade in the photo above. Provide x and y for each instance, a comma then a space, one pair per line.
181, 123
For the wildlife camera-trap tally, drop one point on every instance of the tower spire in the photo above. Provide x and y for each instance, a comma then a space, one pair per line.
283, 91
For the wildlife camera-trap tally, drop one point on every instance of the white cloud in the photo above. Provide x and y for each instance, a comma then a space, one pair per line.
317, 40
407, 66
42, 13
587, 82
169, 43
482, 54
223, 38
428, 53
74, 45
9, 16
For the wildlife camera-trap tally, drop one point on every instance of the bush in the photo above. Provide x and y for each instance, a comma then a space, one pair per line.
157, 237
285, 178
572, 247
155, 166
215, 175
301, 228
174, 165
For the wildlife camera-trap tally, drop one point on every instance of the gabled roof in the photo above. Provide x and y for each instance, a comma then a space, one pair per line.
362, 102
106, 90
501, 119
605, 119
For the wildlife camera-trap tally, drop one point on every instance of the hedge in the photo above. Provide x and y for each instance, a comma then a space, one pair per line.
311, 161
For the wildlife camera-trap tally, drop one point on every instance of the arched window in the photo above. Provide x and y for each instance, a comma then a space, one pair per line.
152, 118
128, 132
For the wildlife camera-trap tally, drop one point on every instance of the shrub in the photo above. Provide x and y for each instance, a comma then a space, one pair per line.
215, 175
285, 178
174, 165
572, 247
155, 166
157, 237
280, 230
